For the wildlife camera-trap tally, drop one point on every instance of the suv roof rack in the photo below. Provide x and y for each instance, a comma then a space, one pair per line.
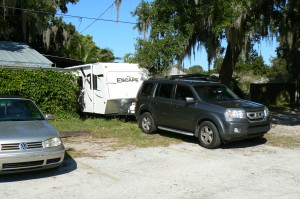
191, 77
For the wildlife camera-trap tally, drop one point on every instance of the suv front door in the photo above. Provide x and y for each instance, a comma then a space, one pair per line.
182, 113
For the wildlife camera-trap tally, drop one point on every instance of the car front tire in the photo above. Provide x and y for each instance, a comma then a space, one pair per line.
209, 135
147, 124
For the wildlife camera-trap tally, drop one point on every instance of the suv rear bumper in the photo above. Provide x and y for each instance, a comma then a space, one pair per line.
234, 131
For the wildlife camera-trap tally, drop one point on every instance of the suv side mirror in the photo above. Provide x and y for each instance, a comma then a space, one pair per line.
49, 117
189, 100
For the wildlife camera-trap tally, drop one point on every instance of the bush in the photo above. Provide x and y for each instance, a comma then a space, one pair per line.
53, 91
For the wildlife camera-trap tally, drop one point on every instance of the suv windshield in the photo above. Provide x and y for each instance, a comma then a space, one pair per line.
215, 93
19, 109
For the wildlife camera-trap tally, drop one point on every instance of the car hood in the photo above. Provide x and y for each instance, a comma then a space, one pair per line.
247, 105
26, 131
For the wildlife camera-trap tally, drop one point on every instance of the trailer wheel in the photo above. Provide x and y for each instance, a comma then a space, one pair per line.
147, 124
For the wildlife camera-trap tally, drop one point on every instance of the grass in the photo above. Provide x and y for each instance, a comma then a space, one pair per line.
129, 134
124, 132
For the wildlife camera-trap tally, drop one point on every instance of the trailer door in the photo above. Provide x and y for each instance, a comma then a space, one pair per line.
86, 97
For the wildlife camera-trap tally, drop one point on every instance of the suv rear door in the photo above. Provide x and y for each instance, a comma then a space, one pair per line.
162, 104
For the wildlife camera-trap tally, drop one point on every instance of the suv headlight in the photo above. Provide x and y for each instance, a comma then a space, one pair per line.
53, 142
235, 113
266, 111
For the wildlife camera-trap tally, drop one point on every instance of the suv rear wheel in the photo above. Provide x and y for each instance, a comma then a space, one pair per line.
146, 123
209, 135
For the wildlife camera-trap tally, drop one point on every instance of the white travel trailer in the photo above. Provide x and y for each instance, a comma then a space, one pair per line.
109, 88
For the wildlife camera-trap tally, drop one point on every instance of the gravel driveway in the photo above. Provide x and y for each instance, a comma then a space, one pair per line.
241, 170
248, 169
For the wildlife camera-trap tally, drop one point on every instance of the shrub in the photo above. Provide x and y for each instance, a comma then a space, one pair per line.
53, 91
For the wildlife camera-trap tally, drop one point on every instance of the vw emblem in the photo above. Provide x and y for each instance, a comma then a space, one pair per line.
23, 146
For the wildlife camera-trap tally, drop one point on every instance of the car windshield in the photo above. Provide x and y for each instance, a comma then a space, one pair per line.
215, 93
19, 110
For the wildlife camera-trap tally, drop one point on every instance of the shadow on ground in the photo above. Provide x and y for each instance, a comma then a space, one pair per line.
244, 143
232, 145
67, 166
285, 117
184, 138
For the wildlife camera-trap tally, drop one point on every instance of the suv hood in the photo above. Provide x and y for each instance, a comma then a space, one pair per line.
26, 131
247, 105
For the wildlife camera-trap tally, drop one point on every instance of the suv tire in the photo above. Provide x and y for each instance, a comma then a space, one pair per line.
147, 124
209, 135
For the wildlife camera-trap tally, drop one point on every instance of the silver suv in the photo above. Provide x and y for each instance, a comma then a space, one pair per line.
207, 110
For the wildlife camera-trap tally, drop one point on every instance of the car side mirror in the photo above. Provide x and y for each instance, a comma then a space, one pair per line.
189, 100
49, 117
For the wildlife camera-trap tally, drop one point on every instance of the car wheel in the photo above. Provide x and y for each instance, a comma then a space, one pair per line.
209, 135
146, 123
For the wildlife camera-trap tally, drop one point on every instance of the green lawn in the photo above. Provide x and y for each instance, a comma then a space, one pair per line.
126, 133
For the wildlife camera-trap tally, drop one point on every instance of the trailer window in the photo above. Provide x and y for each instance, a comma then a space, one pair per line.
98, 82
95, 80
88, 80
80, 82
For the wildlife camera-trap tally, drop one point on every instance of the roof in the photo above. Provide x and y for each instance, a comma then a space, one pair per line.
63, 62
15, 54
174, 70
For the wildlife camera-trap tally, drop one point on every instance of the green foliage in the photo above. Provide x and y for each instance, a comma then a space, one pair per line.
157, 53
53, 91
196, 69
35, 28
218, 64
278, 69
288, 22
189, 25
255, 66
84, 48
46, 33
274, 93
129, 58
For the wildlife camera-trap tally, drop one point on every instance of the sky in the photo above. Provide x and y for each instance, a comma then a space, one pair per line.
121, 37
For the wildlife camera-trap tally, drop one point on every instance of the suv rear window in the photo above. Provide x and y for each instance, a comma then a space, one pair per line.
146, 90
164, 90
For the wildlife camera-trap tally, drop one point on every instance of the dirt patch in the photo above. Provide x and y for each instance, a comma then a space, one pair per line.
80, 146
65, 134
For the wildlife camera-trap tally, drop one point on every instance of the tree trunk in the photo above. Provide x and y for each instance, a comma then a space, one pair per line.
230, 59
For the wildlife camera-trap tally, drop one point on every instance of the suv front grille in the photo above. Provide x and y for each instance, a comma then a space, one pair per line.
17, 146
257, 115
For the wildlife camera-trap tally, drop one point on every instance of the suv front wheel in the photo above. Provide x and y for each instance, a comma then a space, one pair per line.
209, 135
147, 124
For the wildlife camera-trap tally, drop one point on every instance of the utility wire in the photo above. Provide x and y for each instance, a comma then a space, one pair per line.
98, 17
80, 20
65, 15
